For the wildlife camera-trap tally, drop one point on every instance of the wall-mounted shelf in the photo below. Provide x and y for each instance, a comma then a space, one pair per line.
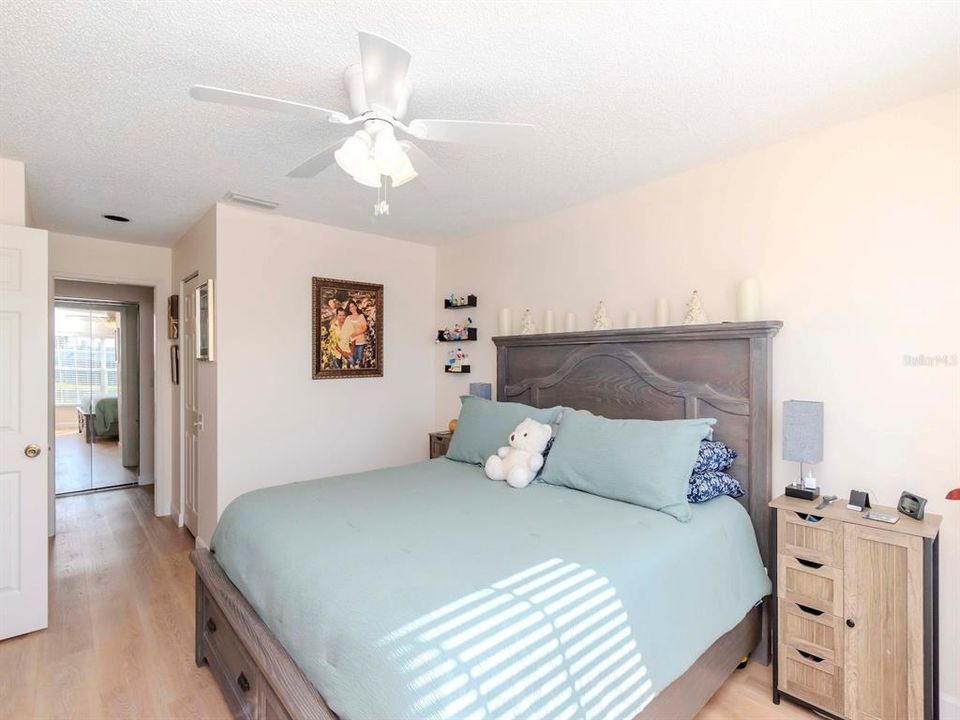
464, 370
471, 336
471, 303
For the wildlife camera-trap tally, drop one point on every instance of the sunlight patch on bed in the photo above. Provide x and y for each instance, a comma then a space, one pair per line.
549, 642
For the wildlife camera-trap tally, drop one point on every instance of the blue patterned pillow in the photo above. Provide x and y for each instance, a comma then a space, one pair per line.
713, 483
714, 457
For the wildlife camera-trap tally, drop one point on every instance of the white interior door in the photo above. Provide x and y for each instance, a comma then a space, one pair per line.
192, 419
24, 318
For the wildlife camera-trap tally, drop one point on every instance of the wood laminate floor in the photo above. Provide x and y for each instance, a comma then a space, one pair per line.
82, 466
120, 641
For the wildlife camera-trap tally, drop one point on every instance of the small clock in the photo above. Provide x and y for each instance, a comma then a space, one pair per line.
912, 505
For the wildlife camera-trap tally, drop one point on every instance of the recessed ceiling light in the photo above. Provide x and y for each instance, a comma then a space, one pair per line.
116, 218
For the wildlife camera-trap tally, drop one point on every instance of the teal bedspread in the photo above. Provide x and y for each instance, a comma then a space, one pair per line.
105, 414
429, 591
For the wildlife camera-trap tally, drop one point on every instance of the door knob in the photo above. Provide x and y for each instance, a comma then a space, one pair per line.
31, 450
851, 623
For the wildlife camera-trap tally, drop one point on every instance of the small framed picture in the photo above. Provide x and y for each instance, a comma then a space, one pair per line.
173, 317
347, 329
205, 312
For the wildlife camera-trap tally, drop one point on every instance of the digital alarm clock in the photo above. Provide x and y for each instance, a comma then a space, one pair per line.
911, 505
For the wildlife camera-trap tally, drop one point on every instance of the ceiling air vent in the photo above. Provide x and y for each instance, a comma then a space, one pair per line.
251, 201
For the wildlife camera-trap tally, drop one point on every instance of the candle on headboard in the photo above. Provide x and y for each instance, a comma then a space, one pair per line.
748, 300
548, 321
506, 322
661, 313
570, 324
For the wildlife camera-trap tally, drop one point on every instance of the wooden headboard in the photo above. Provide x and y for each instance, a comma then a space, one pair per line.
686, 371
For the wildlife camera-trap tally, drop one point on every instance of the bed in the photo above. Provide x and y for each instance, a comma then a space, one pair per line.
99, 418
429, 591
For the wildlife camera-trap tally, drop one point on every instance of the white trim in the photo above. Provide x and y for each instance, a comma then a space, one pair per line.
161, 430
201, 544
176, 516
949, 707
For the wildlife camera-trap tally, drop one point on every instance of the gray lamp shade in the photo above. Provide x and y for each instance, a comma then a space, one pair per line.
803, 431
482, 390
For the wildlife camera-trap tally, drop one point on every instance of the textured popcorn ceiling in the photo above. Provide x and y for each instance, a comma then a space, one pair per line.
93, 97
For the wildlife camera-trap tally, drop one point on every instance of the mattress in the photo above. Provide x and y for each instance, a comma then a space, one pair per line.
429, 591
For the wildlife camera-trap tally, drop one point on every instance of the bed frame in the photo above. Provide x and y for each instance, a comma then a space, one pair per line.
721, 371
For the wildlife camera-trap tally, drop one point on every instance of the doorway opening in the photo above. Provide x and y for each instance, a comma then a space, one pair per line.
102, 386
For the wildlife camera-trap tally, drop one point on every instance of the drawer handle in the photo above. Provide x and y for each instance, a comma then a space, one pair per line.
243, 683
808, 517
809, 610
211, 625
810, 564
810, 657
851, 623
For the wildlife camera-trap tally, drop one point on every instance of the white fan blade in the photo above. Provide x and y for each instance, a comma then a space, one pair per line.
428, 172
313, 165
385, 66
261, 102
470, 132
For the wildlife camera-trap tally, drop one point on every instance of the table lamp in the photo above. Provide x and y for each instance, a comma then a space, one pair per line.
803, 443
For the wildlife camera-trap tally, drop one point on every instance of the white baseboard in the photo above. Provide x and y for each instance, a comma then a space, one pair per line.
145, 480
949, 707
175, 516
201, 544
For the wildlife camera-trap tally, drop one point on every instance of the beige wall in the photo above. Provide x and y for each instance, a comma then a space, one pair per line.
196, 254
13, 193
277, 424
854, 233
74, 257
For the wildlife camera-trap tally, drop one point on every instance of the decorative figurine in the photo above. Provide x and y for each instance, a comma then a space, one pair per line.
695, 314
527, 325
460, 331
601, 321
457, 360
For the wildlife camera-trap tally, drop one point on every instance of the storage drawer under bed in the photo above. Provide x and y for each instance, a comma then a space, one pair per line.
248, 695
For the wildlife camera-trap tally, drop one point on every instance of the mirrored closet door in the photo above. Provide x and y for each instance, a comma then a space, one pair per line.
96, 388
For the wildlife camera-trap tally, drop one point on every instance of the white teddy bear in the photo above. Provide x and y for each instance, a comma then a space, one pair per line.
520, 463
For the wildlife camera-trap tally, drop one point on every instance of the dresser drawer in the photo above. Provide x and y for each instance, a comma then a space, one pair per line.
238, 675
810, 537
810, 584
811, 630
811, 678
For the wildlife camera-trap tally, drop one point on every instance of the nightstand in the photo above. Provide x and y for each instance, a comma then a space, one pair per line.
439, 442
855, 617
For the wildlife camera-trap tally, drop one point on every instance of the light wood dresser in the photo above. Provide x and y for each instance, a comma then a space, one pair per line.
855, 612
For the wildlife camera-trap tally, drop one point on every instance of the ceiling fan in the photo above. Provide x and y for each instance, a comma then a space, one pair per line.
379, 89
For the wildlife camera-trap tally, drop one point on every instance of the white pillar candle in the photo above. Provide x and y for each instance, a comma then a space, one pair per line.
506, 322
661, 313
570, 325
748, 300
632, 319
548, 321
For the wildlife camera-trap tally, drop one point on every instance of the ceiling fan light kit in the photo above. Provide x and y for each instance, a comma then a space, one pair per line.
379, 91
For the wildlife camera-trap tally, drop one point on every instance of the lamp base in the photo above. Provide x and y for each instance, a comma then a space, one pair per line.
799, 491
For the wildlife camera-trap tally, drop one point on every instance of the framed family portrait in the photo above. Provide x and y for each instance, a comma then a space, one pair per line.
204, 322
347, 329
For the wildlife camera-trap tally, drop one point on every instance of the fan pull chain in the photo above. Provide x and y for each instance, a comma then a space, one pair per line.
382, 207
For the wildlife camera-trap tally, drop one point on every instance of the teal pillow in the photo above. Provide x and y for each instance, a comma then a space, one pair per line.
484, 426
644, 462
